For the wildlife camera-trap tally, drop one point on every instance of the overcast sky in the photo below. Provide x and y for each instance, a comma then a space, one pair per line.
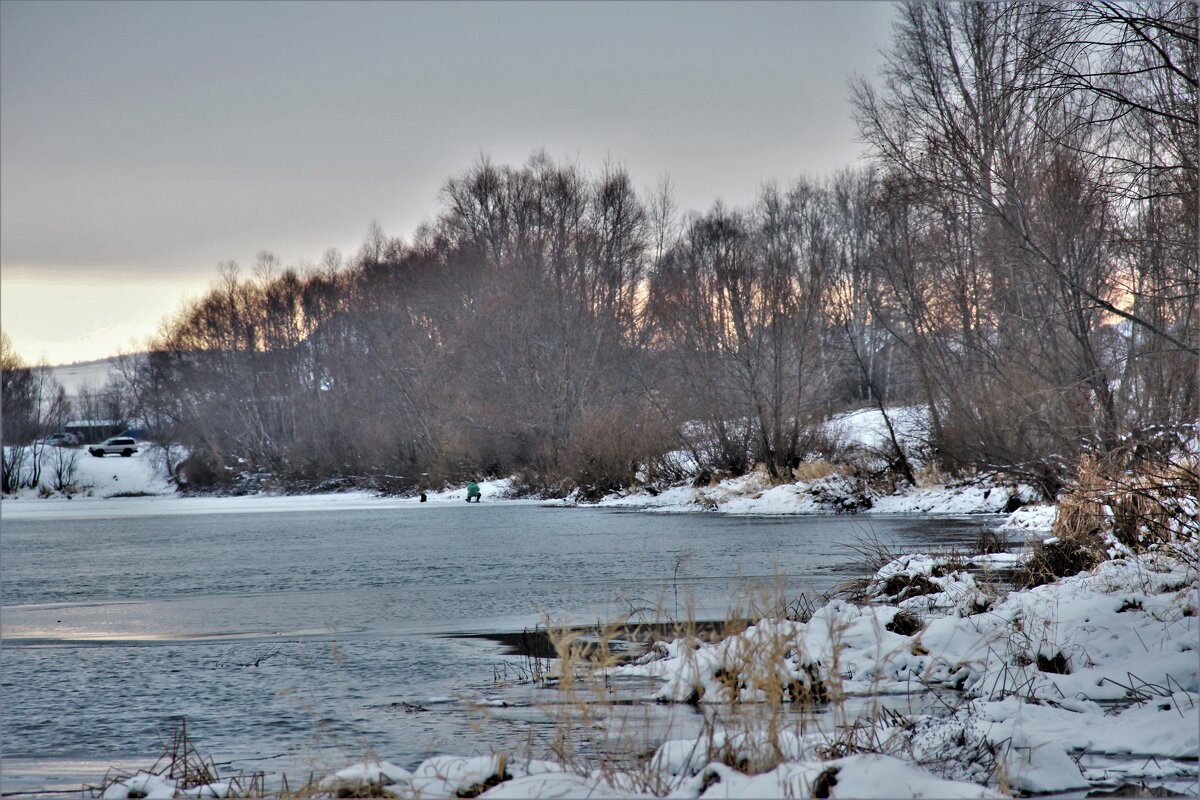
141, 144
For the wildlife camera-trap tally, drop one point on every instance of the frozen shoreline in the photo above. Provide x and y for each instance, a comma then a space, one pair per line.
1063, 686
755, 495
167, 502
1025, 519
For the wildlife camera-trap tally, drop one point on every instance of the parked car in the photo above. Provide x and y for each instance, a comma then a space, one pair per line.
60, 440
117, 444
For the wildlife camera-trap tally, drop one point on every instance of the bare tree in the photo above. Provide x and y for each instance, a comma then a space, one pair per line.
32, 402
739, 302
63, 462
989, 126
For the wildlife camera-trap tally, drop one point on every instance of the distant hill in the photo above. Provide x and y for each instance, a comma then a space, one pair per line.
91, 374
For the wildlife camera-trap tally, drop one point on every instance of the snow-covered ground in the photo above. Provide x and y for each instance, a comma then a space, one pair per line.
1100, 663
138, 486
448, 777
862, 433
1038, 517
754, 494
143, 473
866, 428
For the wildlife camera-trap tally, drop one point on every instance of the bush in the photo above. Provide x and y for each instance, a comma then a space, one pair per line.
608, 448
989, 541
1131, 501
905, 623
1056, 558
202, 469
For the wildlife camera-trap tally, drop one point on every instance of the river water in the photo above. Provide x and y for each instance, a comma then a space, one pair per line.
298, 641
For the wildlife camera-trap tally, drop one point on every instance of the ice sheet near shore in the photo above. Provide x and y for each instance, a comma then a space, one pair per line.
139, 486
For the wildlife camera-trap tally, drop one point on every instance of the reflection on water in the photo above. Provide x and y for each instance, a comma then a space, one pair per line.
302, 641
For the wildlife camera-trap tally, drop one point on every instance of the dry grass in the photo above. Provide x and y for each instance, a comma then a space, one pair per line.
767, 683
931, 476
181, 762
770, 702
815, 470
1047, 561
989, 542
1137, 508
873, 554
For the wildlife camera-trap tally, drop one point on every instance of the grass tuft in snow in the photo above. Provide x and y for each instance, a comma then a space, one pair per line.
181, 770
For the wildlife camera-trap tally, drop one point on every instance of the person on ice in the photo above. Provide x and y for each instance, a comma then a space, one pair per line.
473, 491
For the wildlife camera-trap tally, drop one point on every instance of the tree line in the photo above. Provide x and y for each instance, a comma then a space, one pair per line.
1020, 261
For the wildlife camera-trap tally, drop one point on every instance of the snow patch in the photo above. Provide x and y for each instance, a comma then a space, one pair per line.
1031, 518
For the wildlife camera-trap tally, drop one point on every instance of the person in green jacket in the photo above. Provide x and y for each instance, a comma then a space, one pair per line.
473, 491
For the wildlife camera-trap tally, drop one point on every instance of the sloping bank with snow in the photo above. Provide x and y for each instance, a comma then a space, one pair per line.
1100, 664
755, 494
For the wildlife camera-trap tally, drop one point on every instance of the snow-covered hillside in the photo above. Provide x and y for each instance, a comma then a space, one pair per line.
84, 375
142, 474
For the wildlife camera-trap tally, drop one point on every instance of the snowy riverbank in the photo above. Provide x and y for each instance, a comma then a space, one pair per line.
137, 486
1099, 664
1088, 683
755, 494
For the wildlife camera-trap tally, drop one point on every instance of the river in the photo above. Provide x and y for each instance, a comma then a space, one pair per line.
302, 640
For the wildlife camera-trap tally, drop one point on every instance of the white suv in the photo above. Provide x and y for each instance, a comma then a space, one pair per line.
118, 444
